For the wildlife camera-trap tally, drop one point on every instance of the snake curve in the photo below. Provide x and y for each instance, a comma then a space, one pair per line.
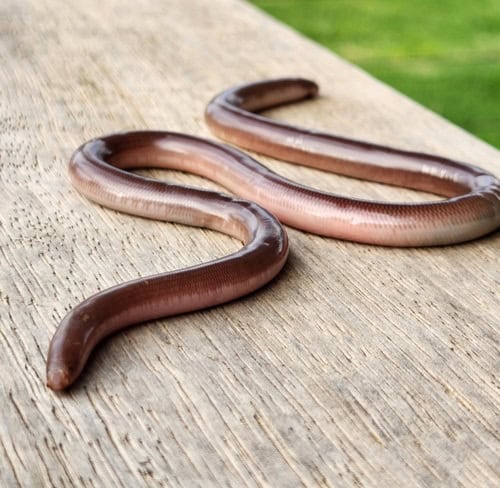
97, 171
471, 207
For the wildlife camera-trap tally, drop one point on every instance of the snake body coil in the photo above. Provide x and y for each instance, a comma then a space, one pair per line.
97, 171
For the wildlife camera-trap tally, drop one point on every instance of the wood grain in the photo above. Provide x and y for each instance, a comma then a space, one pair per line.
358, 366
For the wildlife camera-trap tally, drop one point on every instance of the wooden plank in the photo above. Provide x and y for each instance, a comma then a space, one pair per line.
358, 366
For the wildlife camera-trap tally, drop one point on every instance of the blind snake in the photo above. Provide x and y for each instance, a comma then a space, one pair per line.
98, 171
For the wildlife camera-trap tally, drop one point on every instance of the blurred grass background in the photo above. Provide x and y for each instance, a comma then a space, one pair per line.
444, 54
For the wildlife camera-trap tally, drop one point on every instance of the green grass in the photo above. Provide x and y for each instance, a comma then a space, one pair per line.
444, 54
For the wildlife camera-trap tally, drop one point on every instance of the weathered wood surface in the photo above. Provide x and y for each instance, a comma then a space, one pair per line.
358, 366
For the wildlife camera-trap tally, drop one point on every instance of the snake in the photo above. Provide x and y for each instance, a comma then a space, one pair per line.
100, 170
